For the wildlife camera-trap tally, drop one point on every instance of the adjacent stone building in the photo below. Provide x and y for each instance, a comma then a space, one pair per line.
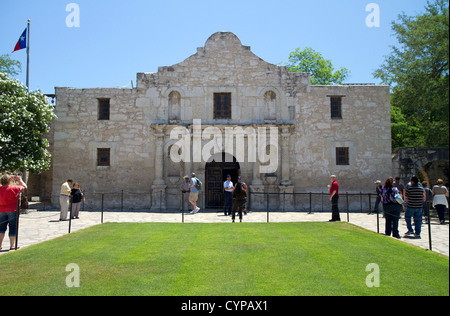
114, 139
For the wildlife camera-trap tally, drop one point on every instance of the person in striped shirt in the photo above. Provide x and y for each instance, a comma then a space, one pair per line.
414, 197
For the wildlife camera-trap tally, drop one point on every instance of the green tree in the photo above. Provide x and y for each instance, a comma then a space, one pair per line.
417, 70
403, 132
321, 69
24, 118
10, 66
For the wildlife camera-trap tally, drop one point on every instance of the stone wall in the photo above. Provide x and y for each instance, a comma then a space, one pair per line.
429, 163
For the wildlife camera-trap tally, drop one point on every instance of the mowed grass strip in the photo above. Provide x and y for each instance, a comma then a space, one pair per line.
288, 259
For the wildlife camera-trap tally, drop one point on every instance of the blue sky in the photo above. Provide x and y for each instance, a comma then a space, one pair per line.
117, 39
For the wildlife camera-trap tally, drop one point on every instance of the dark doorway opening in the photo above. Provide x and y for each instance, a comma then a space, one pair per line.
216, 175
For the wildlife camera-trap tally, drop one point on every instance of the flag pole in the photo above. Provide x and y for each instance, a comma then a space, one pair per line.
28, 56
28, 89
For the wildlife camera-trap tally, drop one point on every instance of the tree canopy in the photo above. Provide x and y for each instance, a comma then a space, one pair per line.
24, 119
322, 70
417, 70
10, 66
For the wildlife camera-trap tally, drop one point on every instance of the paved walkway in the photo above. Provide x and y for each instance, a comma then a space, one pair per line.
38, 226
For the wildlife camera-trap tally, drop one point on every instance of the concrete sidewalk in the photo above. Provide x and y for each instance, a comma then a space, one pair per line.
38, 226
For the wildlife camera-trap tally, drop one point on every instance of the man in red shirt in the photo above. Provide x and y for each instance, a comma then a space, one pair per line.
9, 196
334, 198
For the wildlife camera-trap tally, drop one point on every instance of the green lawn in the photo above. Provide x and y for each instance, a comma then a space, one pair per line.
224, 259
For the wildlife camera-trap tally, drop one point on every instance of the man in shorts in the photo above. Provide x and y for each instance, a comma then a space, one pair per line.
193, 196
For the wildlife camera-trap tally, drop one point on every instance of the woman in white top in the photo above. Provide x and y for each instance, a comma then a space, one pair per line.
440, 203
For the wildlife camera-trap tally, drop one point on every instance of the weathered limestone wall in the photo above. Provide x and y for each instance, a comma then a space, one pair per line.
78, 133
364, 128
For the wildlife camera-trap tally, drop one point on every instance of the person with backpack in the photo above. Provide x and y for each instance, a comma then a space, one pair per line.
195, 186
239, 197
392, 209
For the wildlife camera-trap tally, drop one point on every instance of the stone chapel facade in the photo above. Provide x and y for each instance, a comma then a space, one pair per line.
113, 139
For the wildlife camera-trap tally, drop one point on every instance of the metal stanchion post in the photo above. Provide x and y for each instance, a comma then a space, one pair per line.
182, 207
346, 194
321, 197
121, 202
70, 213
17, 221
310, 203
378, 222
348, 211
429, 226
360, 202
103, 195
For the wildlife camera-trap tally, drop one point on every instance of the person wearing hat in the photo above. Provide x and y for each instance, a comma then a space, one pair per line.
64, 199
228, 187
378, 191
185, 188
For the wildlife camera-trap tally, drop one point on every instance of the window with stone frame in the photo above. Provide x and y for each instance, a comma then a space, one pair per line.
103, 109
336, 107
222, 105
103, 157
342, 156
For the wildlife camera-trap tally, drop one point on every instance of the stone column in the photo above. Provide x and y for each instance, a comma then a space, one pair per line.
285, 162
286, 189
159, 185
257, 201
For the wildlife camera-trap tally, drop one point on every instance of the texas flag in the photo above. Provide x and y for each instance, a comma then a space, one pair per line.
22, 43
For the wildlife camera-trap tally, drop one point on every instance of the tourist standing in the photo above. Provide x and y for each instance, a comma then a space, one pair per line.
76, 196
244, 187
400, 187
392, 209
440, 203
64, 195
228, 204
240, 196
9, 196
193, 195
378, 190
185, 188
414, 198
334, 198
